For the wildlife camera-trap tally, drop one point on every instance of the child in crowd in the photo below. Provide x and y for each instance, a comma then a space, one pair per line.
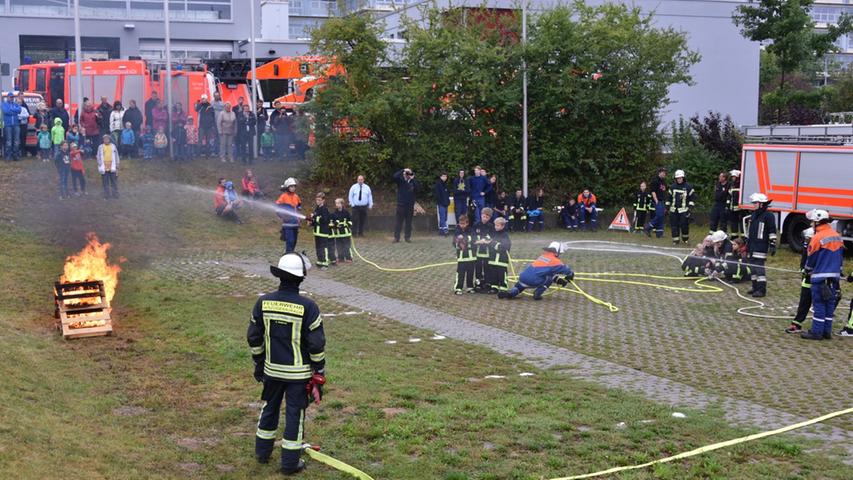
518, 212
482, 235
78, 174
45, 143
161, 142
191, 139
321, 222
343, 231
463, 240
642, 204
535, 219
499, 246
501, 208
57, 134
147, 144
128, 141
250, 186
267, 143
62, 160
179, 139
108, 160
73, 136
88, 147
570, 214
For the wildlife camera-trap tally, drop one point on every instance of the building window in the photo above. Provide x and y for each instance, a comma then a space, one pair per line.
41, 48
179, 10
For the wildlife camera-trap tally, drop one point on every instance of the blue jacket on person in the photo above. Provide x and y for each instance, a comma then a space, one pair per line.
825, 254
543, 269
10, 113
128, 137
478, 185
442, 195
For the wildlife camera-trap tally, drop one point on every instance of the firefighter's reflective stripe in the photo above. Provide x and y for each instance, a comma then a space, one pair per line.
318, 357
265, 434
680, 199
316, 323
257, 350
285, 372
288, 444
283, 307
759, 254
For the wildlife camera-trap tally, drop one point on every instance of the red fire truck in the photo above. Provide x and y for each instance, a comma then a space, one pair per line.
801, 168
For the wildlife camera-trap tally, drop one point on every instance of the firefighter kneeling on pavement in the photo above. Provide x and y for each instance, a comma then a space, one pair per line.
540, 274
288, 347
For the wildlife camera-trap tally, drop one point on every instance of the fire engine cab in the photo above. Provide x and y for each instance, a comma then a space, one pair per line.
801, 168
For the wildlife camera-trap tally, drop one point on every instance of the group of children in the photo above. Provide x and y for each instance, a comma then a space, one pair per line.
332, 232
717, 256
482, 254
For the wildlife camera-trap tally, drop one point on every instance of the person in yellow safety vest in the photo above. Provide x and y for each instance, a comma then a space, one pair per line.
288, 347
680, 202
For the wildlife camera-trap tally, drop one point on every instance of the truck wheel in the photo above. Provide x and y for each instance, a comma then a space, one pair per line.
796, 225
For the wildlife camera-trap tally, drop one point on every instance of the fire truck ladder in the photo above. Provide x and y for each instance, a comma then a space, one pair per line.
829, 134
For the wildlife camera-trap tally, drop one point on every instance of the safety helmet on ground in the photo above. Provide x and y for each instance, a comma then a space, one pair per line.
719, 236
758, 198
293, 263
735, 173
288, 183
555, 247
817, 215
679, 174
808, 233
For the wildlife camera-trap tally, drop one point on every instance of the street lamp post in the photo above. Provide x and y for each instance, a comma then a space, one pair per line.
168, 82
524, 99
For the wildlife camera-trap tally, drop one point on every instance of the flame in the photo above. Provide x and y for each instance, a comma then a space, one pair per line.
91, 264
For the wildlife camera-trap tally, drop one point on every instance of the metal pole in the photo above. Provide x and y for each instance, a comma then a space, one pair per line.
168, 84
524, 101
78, 59
254, 88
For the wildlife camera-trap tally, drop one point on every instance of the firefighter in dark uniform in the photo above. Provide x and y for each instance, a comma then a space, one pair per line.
733, 211
805, 287
721, 199
288, 348
499, 246
321, 221
761, 240
642, 205
680, 203
482, 235
518, 213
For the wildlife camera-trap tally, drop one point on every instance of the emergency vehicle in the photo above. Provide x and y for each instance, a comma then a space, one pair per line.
116, 80
801, 168
32, 100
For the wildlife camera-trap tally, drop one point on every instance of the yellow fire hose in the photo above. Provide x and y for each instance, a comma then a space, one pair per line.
335, 463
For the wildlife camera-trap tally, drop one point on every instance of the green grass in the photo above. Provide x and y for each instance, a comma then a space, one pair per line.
171, 394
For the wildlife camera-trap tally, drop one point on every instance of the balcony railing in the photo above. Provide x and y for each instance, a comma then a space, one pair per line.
122, 10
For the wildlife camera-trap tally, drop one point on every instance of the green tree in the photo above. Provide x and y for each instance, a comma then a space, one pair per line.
793, 41
700, 164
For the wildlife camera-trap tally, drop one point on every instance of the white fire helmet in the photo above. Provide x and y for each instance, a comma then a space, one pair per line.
555, 247
679, 174
758, 198
293, 263
734, 173
808, 233
288, 183
718, 236
817, 215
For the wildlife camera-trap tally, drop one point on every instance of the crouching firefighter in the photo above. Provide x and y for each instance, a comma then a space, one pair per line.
287, 342
761, 240
540, 274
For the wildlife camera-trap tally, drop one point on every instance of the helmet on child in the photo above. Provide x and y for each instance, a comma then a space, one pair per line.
718, 236
555, 247
758, 198
293, 263
290, 182
679, 174
817, 215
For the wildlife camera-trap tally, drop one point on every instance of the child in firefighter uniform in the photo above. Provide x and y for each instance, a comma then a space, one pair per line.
733, 212
482, 235
571, 214
287, 342
824, 262
680, 202
499, 245
463, 241
642, 205
694, 265
289, 205
518, 213
761, 240
342, 232
805, 287
540, 274
736, 268
321, 221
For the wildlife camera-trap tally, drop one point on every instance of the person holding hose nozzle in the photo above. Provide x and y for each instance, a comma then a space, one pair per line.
540, 274
288, 348
825, 257
680, 203
761, 240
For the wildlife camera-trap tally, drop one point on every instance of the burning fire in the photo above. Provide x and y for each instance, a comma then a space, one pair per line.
91, 264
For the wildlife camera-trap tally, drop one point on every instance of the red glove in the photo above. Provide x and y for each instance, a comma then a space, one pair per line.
314, 387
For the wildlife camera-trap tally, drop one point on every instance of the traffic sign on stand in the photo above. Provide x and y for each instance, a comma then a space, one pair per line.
621, 222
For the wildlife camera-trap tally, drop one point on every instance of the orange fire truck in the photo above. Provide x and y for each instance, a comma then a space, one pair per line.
115, 79
801, 168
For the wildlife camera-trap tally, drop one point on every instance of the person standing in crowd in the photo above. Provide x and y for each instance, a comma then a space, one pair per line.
73, 135
733, 213
191, 136
45, 143
761, 240
108, 167
133, 115
90, 121
491, 198
116, 121
680, 202
149, 108
179, 132
104, 110
78, 173
246, 135
721, 198
226, 124
824, 263
147, 144
161, 118
343, 232
642, 205
289, 205
161, 141
478, 186
460, 195
588, 210
218, 107
407, 187
57, 134
206, 125
43, 115
262, 117
58, 111
62, 160
518, 213
279, 125
658, 192
11, 128
23, 122
442, 202
535, 205
127, 141
361, 200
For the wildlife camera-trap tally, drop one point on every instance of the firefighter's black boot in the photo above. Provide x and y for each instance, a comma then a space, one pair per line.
753, 289
293, 471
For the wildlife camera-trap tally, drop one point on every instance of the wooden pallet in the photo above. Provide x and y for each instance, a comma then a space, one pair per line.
95, 310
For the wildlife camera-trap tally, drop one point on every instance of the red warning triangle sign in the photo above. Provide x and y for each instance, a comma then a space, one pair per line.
621, 222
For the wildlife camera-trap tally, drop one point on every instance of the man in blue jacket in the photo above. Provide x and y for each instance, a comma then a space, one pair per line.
478, 187
11, 127
540, 274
